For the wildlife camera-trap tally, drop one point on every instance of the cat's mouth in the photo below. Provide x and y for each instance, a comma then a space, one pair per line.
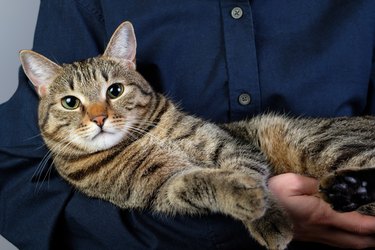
104, 139
102, 133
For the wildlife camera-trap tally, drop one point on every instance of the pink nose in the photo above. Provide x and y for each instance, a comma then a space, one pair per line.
99, 120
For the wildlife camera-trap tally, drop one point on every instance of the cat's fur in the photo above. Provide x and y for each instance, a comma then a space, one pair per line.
136, 149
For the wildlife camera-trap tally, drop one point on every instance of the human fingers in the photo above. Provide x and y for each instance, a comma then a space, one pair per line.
334, 237
290, 184
353, 222
314, 219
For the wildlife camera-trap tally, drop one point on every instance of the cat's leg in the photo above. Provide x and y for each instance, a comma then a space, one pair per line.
274, 229
237, 193
348, 189
204, 190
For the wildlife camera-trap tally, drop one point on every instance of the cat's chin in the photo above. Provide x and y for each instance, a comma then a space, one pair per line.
104, 140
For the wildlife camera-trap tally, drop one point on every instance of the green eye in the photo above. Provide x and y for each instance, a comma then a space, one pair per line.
115, 90
70, 102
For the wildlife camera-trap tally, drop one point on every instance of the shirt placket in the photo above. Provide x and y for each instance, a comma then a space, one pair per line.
241, 59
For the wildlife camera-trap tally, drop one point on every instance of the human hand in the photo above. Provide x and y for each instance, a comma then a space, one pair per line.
314, 220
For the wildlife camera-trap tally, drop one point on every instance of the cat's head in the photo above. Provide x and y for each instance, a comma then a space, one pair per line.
94, 104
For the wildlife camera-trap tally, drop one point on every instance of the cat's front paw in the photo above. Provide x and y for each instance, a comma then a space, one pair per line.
274, 230
244, 197
347, 190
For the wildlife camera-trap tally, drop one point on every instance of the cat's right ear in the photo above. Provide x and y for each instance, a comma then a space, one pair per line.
123, 45
40, 70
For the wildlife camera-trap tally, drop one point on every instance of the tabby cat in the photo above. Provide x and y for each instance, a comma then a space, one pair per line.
112, 137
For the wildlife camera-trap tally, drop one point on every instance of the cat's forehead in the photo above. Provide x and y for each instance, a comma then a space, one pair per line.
89, 76
91, 70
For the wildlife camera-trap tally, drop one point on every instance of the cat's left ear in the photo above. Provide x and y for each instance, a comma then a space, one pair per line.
123, 45
40, 70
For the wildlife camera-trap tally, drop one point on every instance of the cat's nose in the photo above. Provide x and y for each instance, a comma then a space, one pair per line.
99, 120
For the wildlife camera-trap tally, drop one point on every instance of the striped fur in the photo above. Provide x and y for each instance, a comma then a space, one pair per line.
156, 157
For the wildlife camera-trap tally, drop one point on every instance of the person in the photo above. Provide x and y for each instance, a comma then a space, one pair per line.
221, 60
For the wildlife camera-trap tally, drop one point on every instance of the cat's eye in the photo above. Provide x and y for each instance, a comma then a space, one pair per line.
70, 102
115, 90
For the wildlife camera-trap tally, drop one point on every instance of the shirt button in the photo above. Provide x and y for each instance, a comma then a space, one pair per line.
236, 13
244, 99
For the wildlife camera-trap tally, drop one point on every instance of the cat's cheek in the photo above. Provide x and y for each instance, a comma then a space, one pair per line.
54, 126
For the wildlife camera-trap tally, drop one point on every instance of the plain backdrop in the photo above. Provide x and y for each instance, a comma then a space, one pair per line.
17, 25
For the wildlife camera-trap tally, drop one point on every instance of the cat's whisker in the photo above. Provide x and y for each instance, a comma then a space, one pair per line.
149, 123
47, 176
61, 147
39, 171
40, 147
33, 137
85, 132
140, 123
42, 164
66, 150
130, 133
142, 132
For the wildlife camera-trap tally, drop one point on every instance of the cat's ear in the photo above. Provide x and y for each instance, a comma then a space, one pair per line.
40, 70
123, 45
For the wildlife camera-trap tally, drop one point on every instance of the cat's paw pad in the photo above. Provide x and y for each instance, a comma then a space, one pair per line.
245, 198
346, 190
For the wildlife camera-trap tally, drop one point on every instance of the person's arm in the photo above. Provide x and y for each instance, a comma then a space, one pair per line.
315, 221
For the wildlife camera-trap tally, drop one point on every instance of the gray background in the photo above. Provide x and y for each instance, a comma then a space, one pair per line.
17, 25
6, 245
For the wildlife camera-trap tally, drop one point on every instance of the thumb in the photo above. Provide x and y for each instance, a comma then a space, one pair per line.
293, 185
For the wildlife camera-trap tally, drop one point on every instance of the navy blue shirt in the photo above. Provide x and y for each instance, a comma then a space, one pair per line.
221, 60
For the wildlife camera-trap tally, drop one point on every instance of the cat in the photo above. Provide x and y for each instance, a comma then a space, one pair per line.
113, 137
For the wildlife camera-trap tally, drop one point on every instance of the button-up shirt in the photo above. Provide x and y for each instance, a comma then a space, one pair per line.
222, 60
